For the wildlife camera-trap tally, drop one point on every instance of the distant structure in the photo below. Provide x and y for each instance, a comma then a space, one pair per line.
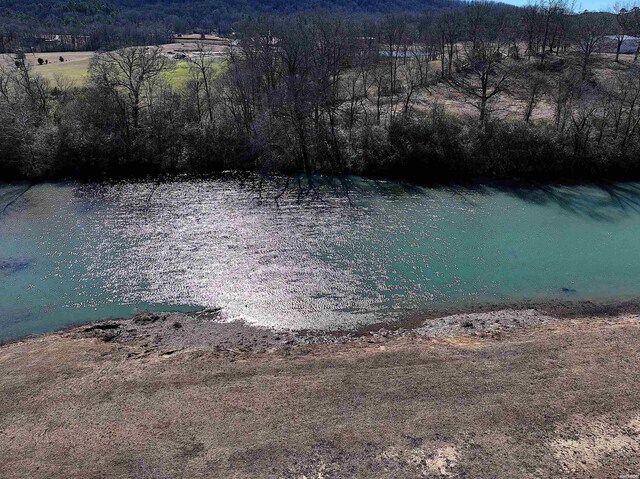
629, 45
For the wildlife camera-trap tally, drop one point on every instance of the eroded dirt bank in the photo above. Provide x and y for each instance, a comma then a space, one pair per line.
512, 395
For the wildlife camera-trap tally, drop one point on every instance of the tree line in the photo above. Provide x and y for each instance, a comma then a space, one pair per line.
328, 93
113, 23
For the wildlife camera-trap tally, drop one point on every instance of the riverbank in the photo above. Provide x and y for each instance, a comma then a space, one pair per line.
490, 394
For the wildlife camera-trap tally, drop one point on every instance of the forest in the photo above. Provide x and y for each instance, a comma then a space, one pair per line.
476, 91
112, 23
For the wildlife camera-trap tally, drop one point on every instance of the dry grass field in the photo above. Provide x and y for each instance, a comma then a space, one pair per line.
512, 104
554, 400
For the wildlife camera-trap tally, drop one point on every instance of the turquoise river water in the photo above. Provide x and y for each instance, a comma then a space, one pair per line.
347, 254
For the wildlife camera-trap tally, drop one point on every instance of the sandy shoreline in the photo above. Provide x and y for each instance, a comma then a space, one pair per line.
508, 393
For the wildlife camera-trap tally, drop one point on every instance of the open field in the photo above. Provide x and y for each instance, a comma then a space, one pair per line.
557, 399
179, 74
74, 69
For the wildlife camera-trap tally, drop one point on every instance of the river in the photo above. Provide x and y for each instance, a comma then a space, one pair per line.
344, 254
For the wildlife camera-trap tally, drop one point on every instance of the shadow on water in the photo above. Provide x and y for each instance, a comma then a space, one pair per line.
303, 189
600, 202
372, 187
10, 196
597, 201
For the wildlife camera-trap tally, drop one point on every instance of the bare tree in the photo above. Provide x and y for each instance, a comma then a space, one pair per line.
130, 75
33, 88
394, 33
624, 99
551, 17
625, 25
531, 14
589, 31
202, 70
485, 71
534, 84
25, 116
449, 28
583, 115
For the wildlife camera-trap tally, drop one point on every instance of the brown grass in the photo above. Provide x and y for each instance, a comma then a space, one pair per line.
557, 400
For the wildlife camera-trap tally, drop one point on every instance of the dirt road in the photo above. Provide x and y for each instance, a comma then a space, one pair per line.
557, 399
